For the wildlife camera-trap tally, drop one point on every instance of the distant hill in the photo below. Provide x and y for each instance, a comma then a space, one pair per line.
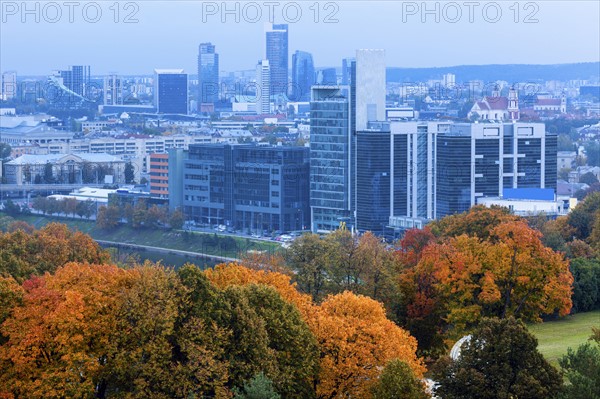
510, 73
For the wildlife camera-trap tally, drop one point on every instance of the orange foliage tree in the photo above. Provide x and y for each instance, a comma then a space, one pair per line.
355, 338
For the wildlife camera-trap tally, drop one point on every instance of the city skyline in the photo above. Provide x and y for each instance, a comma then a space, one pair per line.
30, 47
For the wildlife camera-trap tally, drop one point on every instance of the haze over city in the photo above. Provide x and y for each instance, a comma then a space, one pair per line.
152, 34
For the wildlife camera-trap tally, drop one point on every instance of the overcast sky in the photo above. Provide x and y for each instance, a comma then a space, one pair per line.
165, 34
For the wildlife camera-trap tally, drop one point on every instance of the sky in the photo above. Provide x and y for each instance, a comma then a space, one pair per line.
135, 37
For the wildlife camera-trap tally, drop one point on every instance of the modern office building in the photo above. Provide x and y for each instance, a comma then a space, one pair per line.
255, 189
263, 87
171, 91
113, 90
303, 76
277, 54
327, 76
9, 86
347, 70
482, 160
369, 88
335, 116
159, 175
208, 76
76, 79
331, 158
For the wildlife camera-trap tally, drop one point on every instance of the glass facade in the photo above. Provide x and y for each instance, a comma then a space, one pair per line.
454, 175
331, 149
277, 54
171, 92
246, 187
372, 181
303, 76
208, 74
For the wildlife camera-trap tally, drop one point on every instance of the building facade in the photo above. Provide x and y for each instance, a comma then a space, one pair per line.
159, 175
277, 54
263, 87
113, 90
249, 188
171, 91
482, 160
303, 76
9, 86
208, 75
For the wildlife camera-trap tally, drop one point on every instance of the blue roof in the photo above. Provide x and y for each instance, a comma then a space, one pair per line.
540, 194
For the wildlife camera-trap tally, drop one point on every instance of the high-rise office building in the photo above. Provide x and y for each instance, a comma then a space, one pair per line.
303, 76
482, 160
113, 90
263, 87
331, 158
335, 116
171, 91
347, 70
249, 188
370, 87
327, 76
277, 54
208, 75
77, 79
9, 85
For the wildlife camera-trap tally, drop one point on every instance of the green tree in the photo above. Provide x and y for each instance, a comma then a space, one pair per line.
592, 151
129, 173
586, 284
259, 387
500, 361
588, 178
48, 173
308, 258
5, 151
399, 382
582, 369
11, 208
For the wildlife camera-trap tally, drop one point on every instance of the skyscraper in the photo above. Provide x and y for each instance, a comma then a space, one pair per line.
208, 75
263, 87
113, 90
327, 76
277, 54
77, 79
9, 86
347, 70
331, 158
303, 76
171, 91
335, 116
370, 87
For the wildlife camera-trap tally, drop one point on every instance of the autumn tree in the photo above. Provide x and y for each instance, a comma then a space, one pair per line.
107, 217
500, 361
477, 221
176, 219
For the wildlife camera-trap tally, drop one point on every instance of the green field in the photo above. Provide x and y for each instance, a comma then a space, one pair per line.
555, 337
206, 243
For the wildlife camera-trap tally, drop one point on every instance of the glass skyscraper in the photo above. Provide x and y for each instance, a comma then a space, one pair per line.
327, 76
171, 91
303, 76
208, 75
277, 54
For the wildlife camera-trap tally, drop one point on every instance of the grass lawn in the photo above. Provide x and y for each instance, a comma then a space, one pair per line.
555, 337
206, 243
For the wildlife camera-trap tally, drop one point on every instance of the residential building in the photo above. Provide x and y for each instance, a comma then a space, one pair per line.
255, 189
208, 76
171, 91
113, 90
277, 55
76, 79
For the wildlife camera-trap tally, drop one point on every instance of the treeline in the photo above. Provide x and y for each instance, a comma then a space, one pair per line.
86, 328
138, 216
